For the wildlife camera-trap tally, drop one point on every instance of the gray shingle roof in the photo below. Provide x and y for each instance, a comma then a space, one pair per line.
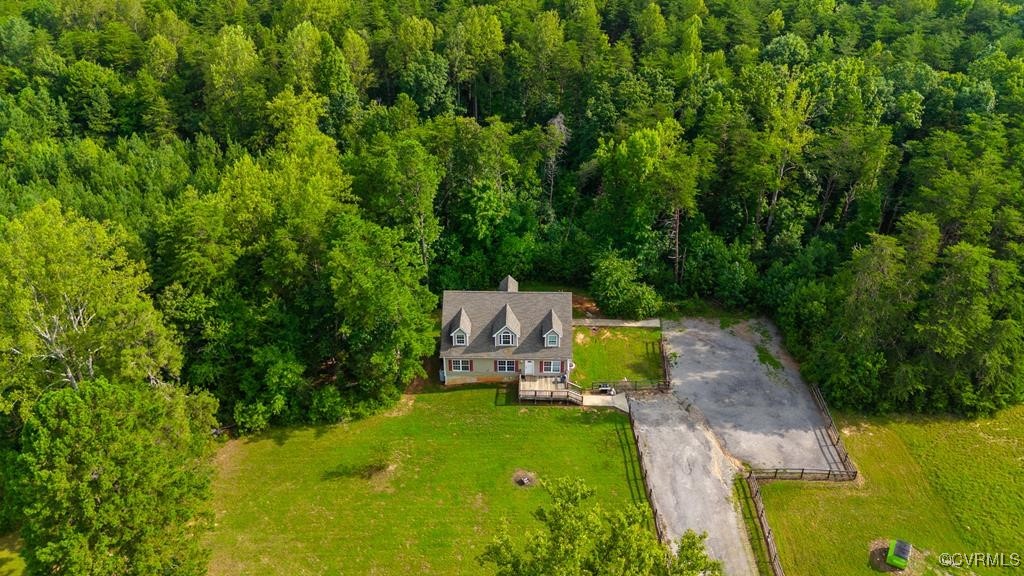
534, 312
552, 322
462, 321
507, 319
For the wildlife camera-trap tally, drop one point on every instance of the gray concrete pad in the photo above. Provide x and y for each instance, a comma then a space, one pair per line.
603, 400
691, 479
764, 415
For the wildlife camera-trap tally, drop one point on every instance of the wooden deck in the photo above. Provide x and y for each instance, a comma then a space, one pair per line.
548, 389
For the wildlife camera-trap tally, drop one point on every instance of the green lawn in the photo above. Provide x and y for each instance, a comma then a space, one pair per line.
420, 490
11, 563
945, 485
615, 353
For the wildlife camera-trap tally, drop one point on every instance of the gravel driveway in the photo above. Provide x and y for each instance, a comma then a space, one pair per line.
764, 414
691, 479
737, 397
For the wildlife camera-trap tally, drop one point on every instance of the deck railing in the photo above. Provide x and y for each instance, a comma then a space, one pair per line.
568, 395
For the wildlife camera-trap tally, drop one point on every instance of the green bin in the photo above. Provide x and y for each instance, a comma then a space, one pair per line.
899, 554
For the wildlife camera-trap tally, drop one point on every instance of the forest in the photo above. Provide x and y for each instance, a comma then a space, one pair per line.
240, 213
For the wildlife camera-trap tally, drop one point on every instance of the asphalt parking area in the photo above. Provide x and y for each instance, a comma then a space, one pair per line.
691, 479
751, 393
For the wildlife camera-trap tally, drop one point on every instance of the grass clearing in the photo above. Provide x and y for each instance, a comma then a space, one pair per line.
615, 353
700, 308
943, 484
741, 494
765, 357
419, 490
11, 563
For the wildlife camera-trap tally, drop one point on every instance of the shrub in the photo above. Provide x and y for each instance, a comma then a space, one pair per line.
618, 292
328, 406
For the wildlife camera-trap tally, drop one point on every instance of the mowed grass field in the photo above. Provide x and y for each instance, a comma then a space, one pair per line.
420, 490
615, 353
945, 485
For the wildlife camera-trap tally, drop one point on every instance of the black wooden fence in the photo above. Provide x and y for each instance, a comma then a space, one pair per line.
766, 530
810, 474
659, 525
630, 385
666, 368
832, 431
753, 478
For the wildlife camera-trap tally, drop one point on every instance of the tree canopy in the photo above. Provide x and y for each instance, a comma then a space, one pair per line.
578, 538
114, 480
263, 200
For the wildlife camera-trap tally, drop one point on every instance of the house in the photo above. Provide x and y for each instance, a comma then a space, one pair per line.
499, 336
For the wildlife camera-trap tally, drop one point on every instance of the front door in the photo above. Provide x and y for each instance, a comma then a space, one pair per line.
528, 368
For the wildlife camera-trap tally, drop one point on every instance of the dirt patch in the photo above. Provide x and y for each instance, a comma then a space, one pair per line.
403, 407
879, 549
581, 337
479, 502
524, 478
380, 479
585, 306
855, 429
225, 461
742, 331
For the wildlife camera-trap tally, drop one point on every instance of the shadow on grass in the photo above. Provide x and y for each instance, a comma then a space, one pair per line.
505, 395
8, 567
280, 434
364, 471
742, 494
10, 562
627, 447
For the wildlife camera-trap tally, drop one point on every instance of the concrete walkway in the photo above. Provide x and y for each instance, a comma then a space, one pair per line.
618, 401
609, 323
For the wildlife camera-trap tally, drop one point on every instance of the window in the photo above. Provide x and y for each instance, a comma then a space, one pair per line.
506, 339
461, 366
459, 339
505, 366
551, 341
551, 366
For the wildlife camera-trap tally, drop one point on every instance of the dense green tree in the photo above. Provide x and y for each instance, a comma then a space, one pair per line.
618, 291
93, 93
385, 320
357, 55
75, 308
234, 93
474, 50
396, 180
761, 155
114, 480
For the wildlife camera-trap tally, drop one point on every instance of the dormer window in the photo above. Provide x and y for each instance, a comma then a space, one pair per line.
461, 328
508, 331
552, 330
